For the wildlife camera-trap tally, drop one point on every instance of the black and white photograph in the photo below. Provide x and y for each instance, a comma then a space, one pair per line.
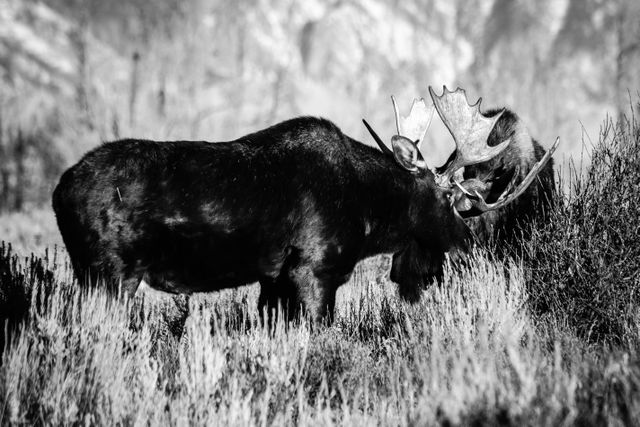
319, 213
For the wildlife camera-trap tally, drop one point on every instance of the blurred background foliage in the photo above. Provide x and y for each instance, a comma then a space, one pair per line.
74, 73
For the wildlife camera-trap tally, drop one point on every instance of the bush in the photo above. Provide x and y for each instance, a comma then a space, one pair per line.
18, 283
583, 263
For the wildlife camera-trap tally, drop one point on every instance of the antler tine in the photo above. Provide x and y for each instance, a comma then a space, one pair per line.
508, 197
415, 125
468, 126
396, 113
376, 138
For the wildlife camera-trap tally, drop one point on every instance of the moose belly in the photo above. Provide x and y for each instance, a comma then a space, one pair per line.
205, 258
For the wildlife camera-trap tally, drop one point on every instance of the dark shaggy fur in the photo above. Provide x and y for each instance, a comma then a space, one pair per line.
512, 222
294, 206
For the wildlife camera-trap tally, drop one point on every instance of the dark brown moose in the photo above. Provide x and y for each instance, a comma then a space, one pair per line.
294, 206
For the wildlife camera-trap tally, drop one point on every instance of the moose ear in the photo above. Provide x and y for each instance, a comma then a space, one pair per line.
407, 154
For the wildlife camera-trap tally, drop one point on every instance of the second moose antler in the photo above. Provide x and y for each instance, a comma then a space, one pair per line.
508, 196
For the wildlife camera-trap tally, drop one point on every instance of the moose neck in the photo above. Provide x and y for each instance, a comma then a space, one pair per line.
385, 195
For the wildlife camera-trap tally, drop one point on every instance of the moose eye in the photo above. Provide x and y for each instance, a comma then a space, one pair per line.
450, 198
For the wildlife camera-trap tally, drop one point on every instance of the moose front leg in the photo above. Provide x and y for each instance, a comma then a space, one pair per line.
316, 292
414, 269
277, 295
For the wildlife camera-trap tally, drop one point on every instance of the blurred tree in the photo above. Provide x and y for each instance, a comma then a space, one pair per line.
595, 30
579, 31
627, 55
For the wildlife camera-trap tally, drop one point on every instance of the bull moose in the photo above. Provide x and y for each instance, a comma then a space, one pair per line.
503, 228
294, 207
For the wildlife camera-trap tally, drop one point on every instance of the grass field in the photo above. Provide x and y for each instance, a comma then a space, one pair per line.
550, 337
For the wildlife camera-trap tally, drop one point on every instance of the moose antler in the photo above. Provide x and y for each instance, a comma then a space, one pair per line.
470, 130
508, 196
415, 125
468, 126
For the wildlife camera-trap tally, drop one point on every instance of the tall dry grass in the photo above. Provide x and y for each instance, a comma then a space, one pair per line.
469, 352
547, 339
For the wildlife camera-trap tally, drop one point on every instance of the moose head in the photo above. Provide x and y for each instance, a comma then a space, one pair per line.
470, 130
